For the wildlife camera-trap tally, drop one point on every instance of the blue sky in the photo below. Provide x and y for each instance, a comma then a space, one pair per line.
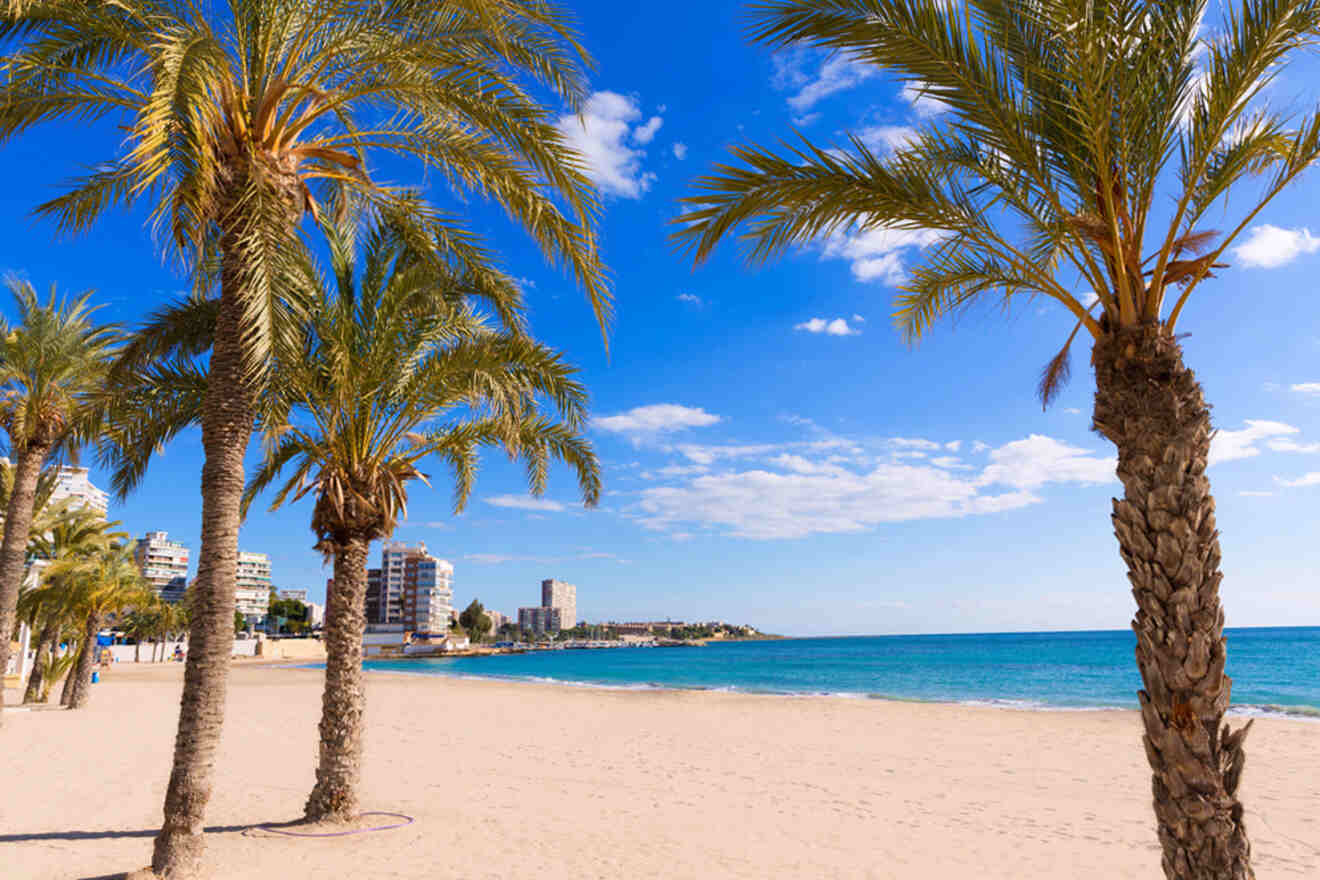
773, 453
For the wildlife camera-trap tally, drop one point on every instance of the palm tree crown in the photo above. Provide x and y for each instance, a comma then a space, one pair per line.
242, 118
1065, 121
53, 361
390, 361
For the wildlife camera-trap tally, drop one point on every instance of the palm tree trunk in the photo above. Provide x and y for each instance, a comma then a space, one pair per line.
45, 646
13, 549
81, 676
1150, 405
339, 772
226, 429
70, 675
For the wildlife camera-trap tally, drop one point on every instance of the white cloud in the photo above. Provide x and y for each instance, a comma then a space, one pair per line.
1072, 410
887, 138
1036, 460
525, 502
859, 319
1233, 445
1292, 446
1252, 493
488, 558
644, 134
1268, 247
877, 252
689, 298
835, 327
913, 443
680, 150
838, 71
1311, 479
805, 120
1306, 387
710, 454
602, 134
658, 418
792, 495
953, 445
922, 103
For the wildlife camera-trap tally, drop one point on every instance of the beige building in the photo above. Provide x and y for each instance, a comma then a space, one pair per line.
557, 594
252, 597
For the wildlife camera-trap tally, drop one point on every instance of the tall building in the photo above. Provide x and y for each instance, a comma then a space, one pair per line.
163, 563
73, 482
557, 594
252, 598
539, 618
296, 595
412, 588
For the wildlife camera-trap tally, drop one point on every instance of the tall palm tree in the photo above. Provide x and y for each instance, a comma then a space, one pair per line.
100, 583
1067, 122
60, 531
235, 115
52, 362
389, 377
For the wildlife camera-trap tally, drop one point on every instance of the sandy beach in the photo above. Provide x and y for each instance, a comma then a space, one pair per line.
515, 780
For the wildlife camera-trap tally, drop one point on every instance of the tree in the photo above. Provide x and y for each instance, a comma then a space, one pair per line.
60, 531
52, 361
237, 123
104, 582
475, 621
239, 623
397, 369
1066, 123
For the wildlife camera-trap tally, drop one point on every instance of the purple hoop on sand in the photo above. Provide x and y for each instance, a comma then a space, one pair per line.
407, 820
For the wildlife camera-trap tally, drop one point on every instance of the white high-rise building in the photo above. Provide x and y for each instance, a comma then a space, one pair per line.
73, 482
557, 594
163, 563
252, 597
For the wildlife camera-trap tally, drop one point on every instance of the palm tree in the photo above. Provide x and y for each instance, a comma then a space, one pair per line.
237, 118
382, 385
52, 361
1066, 123
103, 582
60, 531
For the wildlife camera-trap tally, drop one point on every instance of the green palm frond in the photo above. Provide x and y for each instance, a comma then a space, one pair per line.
244, 120
1065, 123
395, 371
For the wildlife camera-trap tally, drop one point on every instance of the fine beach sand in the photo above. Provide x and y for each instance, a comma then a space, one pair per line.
519, 780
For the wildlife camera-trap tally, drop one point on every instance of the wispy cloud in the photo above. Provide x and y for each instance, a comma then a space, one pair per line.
680, 150
813, 491
1306, 387
650, 421
1311, 479
813, 76
1235, 445
689, 298
525, 502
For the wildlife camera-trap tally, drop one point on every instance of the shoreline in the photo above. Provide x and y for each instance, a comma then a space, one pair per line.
1303, 714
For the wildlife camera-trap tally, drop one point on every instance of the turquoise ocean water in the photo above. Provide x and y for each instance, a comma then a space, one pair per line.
1274, 670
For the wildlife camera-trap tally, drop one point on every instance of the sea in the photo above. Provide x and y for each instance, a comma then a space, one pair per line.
1275, 670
